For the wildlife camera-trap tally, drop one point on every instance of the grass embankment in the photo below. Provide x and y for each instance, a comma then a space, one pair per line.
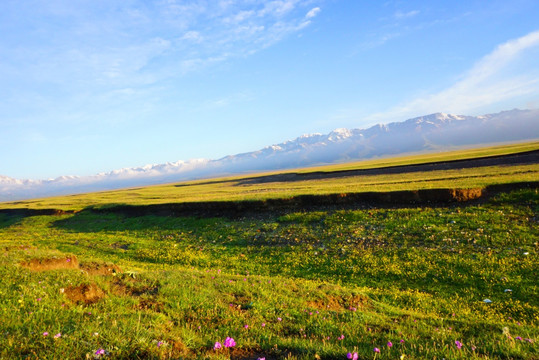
249, 188
309, 285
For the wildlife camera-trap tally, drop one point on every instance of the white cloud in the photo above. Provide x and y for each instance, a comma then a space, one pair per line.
312, 13
404, 15
278, 8
193, 36
493, 79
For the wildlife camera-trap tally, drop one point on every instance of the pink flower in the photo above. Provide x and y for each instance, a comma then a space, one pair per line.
402, 341
279, 319
246, 326
100, 352
263, 324
376, 350
45, 334
352, 356
229, 342
458, 344
389, 344
217, 345
57, 335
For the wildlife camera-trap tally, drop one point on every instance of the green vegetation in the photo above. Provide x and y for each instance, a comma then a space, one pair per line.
297, 286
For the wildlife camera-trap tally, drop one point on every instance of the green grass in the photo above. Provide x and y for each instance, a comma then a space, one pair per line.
373, 276
237, 189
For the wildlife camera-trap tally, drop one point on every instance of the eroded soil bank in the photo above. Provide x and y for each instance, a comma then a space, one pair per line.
233, 209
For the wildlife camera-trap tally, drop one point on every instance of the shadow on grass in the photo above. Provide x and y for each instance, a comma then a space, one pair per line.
90, 221
7, 220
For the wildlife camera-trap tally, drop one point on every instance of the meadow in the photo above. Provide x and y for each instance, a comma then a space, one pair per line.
454, 281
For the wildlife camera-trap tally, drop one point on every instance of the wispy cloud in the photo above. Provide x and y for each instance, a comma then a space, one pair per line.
109, 43
493, 79
312, 13
404, 15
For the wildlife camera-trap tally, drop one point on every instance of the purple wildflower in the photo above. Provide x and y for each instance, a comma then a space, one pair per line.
458, 344
279, 319
229, 342
217, 345
376, 350
57, 335
45, 334
352, 356
100, 352
389, 344
518, 338
402, 341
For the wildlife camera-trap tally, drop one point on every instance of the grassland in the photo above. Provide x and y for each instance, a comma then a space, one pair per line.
411, 283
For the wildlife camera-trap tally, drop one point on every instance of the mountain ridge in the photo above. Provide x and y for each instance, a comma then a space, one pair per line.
423, 133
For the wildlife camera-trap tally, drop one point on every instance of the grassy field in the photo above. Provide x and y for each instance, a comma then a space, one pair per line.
445, 282
237, 188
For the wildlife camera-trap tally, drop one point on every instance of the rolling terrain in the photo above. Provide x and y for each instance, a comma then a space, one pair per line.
348, 261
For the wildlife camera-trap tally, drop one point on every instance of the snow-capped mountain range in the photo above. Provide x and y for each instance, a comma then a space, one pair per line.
433, 132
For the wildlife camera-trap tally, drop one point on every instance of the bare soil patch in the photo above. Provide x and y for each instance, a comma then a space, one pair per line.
131, 287
84, 294
94, 268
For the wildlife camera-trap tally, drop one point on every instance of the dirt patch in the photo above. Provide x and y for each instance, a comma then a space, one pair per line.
150, 304
131, 287
55, 263
94, 268
84, 294
340, 303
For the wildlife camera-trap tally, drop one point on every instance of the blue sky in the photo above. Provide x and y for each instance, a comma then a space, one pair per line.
92, 86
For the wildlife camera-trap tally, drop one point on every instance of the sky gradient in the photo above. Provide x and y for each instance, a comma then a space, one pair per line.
93, 86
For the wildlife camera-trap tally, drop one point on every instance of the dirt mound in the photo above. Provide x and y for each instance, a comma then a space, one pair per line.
84, 294
67, 262
94, 268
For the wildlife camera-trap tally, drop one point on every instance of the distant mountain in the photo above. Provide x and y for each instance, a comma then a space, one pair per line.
426, 133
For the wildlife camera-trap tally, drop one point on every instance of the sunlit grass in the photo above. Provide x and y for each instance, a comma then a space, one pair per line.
294, 285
